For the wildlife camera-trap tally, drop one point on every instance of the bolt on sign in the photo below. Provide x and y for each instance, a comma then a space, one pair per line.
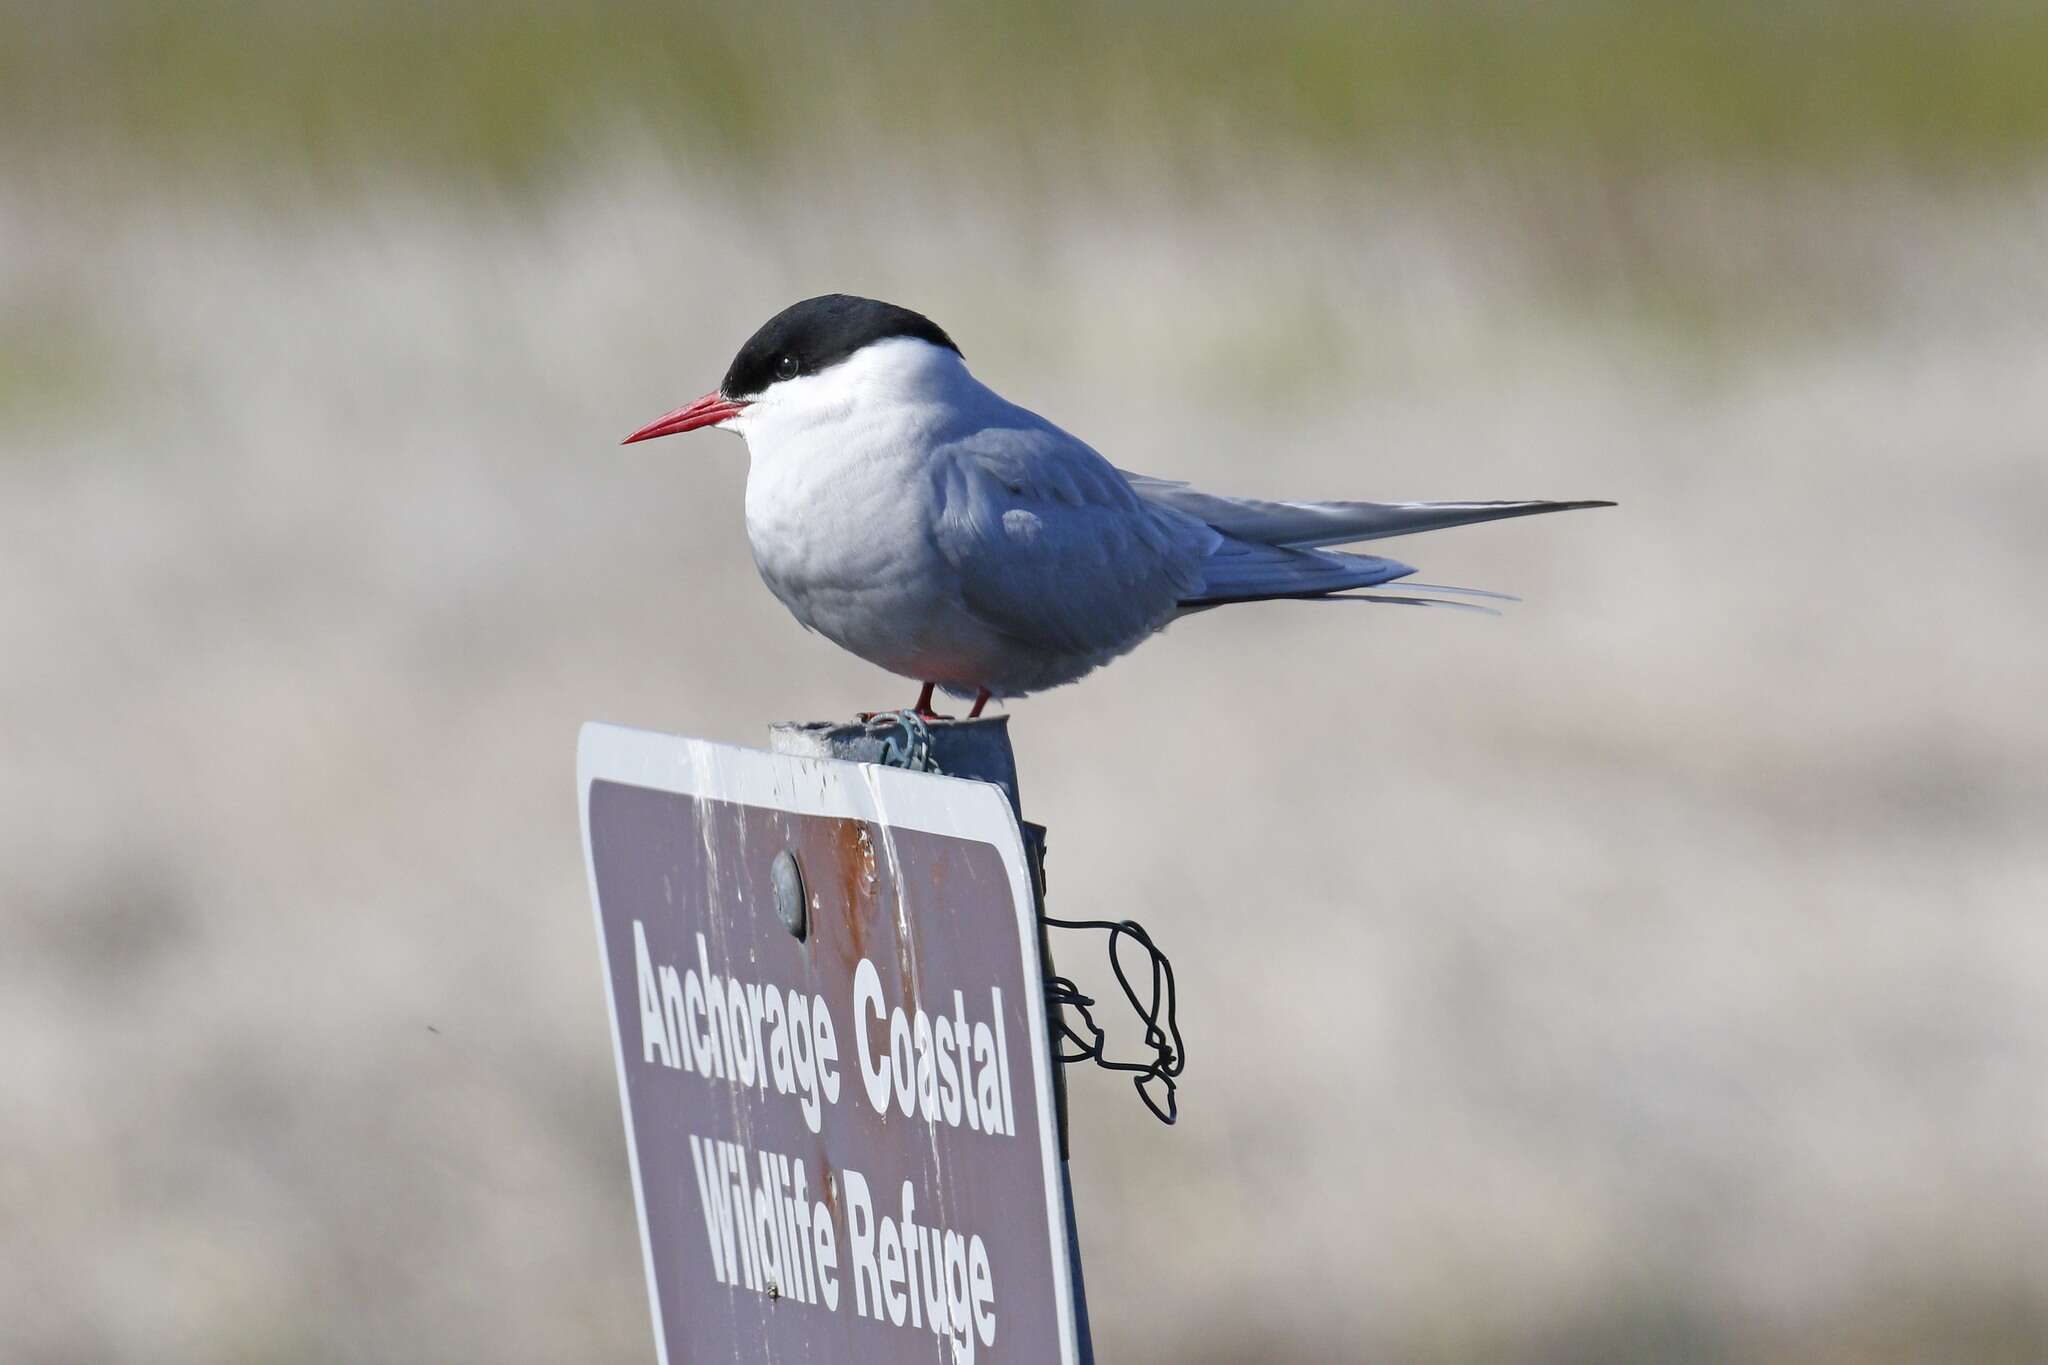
829, 1020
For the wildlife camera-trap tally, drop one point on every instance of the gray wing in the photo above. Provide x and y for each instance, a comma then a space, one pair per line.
1053, 548
1301, 525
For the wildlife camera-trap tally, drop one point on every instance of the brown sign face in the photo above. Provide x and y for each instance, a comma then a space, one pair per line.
842, 1142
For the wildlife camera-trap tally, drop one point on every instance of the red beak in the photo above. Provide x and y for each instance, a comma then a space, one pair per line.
707, 411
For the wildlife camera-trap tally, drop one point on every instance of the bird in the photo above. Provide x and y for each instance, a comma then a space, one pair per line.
907, 512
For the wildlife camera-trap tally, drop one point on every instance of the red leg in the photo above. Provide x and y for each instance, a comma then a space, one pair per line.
923, 709
980, 701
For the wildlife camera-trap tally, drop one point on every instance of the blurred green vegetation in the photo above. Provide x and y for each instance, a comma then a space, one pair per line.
510, 90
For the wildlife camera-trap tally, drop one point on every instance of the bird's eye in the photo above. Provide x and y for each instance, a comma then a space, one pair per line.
786, 367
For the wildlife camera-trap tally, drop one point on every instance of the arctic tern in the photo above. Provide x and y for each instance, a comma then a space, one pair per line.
912, 515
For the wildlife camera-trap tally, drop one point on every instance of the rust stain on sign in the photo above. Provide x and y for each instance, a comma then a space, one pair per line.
853, 865
829, 1182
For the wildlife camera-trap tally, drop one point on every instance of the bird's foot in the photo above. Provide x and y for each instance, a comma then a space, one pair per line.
923, 710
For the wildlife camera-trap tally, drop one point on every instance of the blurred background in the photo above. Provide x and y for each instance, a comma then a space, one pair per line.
1657, 973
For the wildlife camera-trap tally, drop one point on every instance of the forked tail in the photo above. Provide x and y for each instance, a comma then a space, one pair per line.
1272, 550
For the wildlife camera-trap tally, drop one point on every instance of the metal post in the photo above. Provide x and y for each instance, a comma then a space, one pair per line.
980, 750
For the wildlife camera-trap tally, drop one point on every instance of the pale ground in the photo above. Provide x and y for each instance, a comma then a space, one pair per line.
1657, 973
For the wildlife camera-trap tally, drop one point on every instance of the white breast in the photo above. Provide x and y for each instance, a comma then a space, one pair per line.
840, 507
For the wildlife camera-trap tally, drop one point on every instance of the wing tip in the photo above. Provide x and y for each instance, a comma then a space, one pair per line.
1463, 592
1391, 600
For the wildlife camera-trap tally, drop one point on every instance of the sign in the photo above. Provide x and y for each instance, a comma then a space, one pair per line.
842, 1142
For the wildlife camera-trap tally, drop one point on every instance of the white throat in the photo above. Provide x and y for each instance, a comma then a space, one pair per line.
901, 391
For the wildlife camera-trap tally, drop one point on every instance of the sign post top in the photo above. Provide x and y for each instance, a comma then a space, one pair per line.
842, 1143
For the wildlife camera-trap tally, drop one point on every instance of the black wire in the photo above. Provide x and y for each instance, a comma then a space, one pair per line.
1168, 1053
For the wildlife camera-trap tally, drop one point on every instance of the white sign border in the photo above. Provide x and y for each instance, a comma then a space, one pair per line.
927, 802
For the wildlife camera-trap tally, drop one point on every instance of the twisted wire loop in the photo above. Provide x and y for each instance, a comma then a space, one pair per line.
913, 750
1155, 1079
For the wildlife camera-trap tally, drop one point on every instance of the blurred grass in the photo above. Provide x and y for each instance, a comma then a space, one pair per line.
50, 355
509, 91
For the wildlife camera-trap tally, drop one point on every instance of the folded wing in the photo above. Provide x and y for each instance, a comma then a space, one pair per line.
1061, 551
1054, 549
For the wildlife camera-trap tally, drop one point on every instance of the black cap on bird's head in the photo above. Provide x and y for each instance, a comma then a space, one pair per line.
818, 333
802, 339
